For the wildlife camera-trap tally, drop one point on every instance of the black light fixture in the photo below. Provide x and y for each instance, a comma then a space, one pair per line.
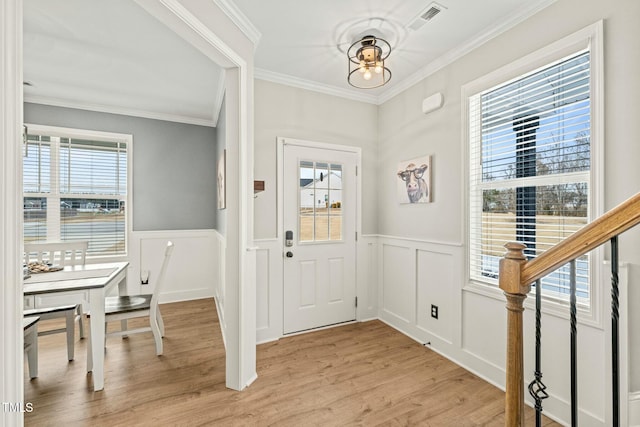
367, 69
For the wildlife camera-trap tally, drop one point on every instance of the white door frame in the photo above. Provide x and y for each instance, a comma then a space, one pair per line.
11, 119
240, 277
176, 14
180, 16
281, 142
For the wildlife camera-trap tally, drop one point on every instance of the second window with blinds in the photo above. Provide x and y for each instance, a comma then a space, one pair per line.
533, 154
76, 185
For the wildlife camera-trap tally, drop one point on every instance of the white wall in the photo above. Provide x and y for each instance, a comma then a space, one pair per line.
475, 331
412, 256
283, 111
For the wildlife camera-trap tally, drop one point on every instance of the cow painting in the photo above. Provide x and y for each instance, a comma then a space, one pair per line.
415, 181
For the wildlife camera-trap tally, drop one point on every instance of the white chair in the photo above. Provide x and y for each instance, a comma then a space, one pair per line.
30, 326
59, 254
131, 306
66, 311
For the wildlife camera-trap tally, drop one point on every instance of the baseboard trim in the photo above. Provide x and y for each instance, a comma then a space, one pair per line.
191, 294
221, 323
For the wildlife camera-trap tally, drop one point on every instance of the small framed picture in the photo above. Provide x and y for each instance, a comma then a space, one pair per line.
413, 180
222, 178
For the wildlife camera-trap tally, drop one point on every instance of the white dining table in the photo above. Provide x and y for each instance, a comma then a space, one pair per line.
90, 282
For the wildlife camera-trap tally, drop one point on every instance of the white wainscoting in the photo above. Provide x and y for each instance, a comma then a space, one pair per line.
471, 326
415, 275
398, 279
411, 274
220, 250
269, 285
193, 271
269, 295
367, 278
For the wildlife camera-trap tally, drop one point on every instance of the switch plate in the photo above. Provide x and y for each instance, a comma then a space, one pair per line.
434, 311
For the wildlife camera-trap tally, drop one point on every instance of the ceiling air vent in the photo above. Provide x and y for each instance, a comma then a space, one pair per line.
426, 15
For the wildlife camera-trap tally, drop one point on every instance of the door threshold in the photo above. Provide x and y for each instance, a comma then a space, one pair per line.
319, 328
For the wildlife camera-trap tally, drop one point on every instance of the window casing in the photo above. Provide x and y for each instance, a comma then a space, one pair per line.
76, 187
534, 150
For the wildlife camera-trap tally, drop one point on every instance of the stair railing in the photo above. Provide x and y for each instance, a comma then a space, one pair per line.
515, 279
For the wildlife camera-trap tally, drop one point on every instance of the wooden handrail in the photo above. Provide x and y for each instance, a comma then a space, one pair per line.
616, 221
517, 274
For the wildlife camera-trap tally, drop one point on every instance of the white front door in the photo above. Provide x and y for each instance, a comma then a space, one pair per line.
320, 237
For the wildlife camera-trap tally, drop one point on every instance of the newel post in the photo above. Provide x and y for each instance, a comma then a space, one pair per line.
510, 283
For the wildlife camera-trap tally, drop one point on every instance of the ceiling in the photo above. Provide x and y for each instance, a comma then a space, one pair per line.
113, 56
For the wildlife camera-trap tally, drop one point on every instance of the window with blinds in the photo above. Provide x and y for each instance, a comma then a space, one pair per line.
75, 188
530, 163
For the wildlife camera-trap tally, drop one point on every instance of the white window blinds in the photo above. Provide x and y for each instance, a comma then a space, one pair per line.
76, 189
530, 167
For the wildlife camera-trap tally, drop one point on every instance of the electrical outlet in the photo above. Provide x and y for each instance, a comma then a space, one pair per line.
434, 311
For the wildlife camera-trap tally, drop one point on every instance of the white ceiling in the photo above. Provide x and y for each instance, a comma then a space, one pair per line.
306, 40
113, 56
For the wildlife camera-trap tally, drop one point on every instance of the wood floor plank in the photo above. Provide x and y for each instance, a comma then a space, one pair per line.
361, 374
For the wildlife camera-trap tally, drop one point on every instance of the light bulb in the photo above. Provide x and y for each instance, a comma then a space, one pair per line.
378, 68
367, 74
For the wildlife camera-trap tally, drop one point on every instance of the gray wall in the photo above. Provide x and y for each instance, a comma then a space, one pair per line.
174, 165
221, 139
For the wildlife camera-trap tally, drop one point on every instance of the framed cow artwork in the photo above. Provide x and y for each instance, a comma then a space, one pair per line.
413, 180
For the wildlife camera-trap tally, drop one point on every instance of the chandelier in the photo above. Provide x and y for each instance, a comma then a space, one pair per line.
367, 68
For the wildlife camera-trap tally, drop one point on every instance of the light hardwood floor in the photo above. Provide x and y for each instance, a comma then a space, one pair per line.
362, 374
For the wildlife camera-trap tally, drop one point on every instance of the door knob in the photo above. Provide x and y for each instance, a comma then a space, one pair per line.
289, 254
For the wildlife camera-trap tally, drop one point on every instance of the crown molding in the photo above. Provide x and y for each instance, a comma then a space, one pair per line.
287, 80
473, 43
441, 62
240, 20
55, 102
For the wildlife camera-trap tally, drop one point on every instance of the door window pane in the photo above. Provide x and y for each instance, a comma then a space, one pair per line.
320, 201
335, 205
336, 177
322, 226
